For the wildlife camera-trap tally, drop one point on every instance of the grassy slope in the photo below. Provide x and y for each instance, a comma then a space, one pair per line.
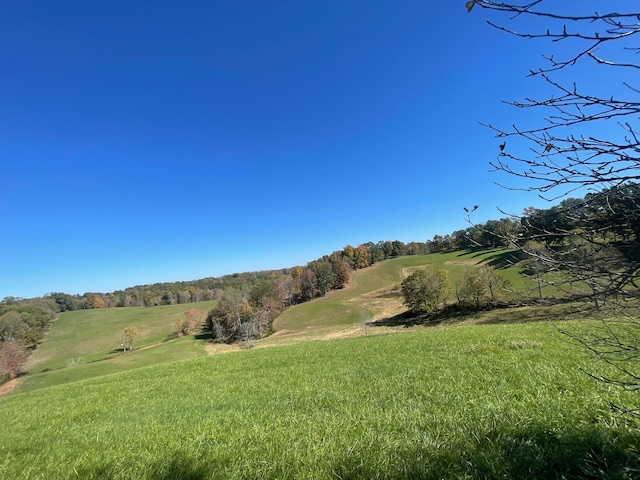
96, 334
92, 335
499, 401
175, 350
357, 302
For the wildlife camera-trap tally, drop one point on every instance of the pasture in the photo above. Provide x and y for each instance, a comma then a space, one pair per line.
470, 401
495, 394
87, 343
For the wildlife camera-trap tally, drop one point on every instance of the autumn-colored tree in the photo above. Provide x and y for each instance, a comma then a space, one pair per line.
226, 319
188, 324
349, 253
340, 270
129, 336
95, 301
361, 257
284, 290
12, 357
147, 298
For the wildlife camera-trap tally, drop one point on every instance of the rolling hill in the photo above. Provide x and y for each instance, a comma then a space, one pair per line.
496, 394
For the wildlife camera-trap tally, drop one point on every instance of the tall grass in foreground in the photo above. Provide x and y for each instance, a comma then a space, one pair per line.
499, 401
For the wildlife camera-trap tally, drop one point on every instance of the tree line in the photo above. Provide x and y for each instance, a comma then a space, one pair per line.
248, 302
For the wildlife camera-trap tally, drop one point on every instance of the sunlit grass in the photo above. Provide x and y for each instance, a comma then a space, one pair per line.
90, 335
349, 307
179, 349
498, 401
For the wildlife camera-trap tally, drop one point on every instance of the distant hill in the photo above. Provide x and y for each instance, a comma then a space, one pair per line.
87, 343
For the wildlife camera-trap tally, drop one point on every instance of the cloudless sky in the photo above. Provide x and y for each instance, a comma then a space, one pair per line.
143, 142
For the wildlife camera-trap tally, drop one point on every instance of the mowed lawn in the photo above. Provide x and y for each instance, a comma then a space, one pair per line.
491, 401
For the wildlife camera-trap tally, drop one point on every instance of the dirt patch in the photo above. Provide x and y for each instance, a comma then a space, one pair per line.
461, 262
383, 303
8, 387
216, 348
353, 332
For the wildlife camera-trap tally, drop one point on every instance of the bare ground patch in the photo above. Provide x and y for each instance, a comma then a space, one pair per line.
383, 303
8, 386
461, 262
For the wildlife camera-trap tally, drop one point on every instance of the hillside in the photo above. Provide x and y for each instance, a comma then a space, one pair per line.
87, 343
373, 293
496, 401
495, 394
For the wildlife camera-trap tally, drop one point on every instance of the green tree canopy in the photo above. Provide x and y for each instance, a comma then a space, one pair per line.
426, 289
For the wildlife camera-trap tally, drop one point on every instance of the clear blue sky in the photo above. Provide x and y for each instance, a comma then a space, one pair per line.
143, 142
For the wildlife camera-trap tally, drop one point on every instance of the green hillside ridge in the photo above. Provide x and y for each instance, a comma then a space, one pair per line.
95, 334
357, 302
85, 343
88, 343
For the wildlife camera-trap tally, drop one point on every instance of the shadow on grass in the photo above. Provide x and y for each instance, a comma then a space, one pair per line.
506, 259
450, 314
501, 451
529, 453
175, 466
204, 335
504, 313
501, 258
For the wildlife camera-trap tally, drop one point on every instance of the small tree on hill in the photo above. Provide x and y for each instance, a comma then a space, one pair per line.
426, 289
129, 336
188, 324
474, 287
481, 284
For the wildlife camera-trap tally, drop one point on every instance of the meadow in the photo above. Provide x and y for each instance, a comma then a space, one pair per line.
493, 401
495, 394
88, 343
373, 293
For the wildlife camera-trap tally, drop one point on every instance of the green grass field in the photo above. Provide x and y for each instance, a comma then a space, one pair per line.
87, 343
96, 334
493, 401
496, 394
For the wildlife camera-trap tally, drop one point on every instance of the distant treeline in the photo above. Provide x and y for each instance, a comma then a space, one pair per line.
288, 286
275, 290
22, 327
248, 302
302, 283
